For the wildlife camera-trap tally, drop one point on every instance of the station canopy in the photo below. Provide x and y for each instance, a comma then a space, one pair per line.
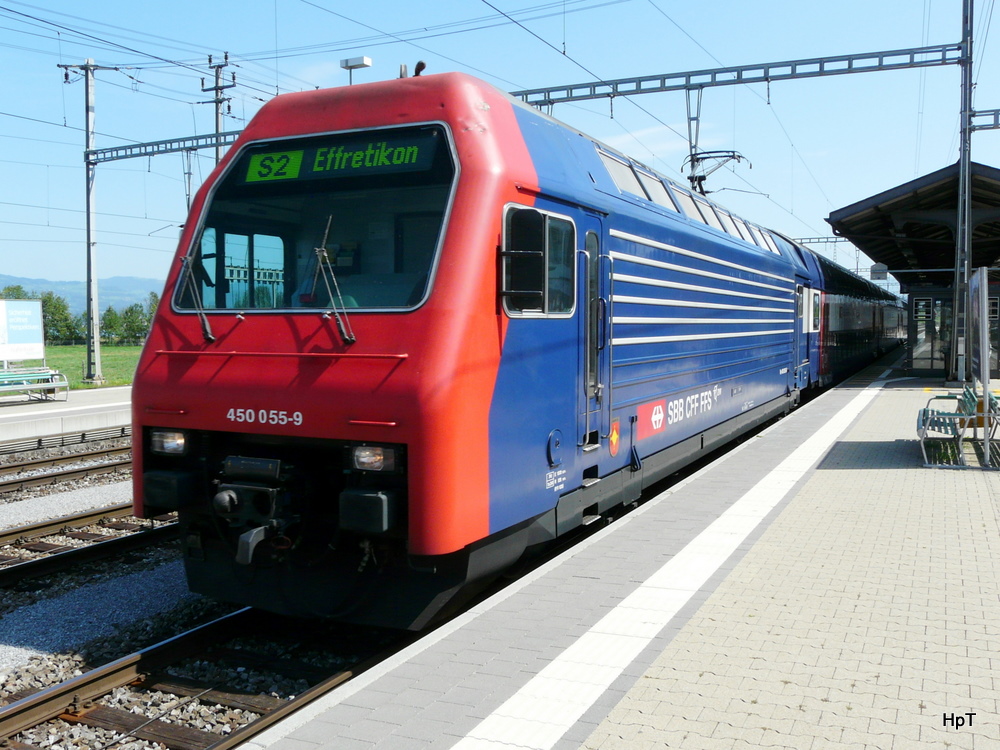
911, 228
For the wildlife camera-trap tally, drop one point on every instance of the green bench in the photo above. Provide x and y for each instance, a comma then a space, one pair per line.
952, 424
40, 383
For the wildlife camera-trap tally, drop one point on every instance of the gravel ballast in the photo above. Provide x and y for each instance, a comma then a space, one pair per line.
65, 622
45, 507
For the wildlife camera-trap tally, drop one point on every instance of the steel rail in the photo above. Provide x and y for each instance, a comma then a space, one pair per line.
63, 439
71, 700
56, 525
78, 693
14, 572
74, 556
43, 463
40, 480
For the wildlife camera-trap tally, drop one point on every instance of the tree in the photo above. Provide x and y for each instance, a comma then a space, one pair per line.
152, 302
80, 325
59, 323
15, 291
111, 324
134, 323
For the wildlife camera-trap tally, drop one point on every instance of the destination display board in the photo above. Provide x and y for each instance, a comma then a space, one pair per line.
923, 308
342, 156
22, 335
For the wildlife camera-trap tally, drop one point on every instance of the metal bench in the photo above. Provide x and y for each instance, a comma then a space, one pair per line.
952, 424
41, 383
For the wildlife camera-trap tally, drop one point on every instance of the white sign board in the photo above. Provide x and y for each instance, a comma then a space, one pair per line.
21, 332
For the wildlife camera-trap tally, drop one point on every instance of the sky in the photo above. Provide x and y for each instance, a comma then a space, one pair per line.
809, 147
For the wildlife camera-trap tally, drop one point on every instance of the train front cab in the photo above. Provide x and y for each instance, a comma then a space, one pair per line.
323, 435
278, 514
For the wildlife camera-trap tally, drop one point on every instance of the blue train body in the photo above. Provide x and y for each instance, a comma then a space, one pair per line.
705, 326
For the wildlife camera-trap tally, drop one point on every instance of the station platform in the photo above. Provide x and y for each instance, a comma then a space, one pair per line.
817, 587
84, 410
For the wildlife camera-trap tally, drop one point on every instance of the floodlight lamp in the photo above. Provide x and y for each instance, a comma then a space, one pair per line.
354, 63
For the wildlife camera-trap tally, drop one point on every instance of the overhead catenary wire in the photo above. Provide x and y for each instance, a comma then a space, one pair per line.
396, 38
158, 79
540, 11
164, 64
99, 39
659, 120
760, 96
511, 19
79, 211
65, 127
578, 64
116, 46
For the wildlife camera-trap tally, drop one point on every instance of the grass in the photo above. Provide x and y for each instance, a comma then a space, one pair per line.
117, 363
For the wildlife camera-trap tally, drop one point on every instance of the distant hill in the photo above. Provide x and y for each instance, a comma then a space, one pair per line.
118, 291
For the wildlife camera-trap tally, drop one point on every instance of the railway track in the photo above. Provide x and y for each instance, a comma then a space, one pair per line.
24, 474
25, 553
63, 440
144, 696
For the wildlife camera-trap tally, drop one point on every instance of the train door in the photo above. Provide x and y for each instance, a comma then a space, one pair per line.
803, 326
595, 276
815, 307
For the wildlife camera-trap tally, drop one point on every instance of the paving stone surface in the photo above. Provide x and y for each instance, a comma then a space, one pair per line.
865, 614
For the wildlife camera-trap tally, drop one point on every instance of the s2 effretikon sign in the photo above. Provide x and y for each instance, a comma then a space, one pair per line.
21, 333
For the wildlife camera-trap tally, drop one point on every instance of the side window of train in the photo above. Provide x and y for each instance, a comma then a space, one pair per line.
769, 243
708, 212
539, 274
728, 223
760, 237
657, 192
816, 310
689, 207
623, 176
744, 230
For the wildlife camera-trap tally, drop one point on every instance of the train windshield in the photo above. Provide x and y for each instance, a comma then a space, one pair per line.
350, 220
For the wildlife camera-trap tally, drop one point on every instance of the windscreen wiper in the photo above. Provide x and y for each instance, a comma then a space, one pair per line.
324, 269
190, 285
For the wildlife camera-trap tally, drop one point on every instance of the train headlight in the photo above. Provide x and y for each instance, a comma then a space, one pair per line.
373, 458
168, 442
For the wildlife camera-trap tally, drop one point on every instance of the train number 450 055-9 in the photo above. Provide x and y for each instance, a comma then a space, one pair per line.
265, 416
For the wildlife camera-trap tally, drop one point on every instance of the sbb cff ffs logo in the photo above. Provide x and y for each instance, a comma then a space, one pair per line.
657, 417
652, 419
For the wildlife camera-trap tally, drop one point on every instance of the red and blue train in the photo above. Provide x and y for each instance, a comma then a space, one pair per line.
415, 328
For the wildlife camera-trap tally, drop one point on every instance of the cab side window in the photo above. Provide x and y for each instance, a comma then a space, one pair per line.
539, 275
